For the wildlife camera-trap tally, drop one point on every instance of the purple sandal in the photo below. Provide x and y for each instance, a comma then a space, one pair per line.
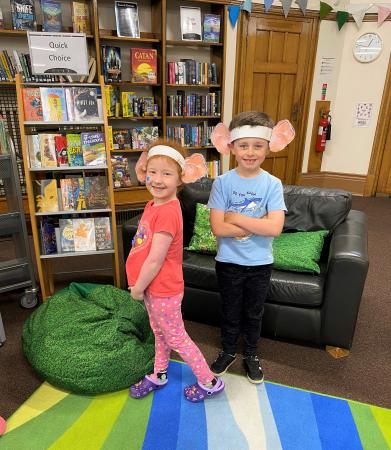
144, 387
197, 393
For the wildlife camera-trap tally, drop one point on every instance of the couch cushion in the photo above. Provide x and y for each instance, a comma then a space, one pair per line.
199, 271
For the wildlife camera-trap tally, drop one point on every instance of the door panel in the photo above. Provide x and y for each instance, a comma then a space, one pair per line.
384, 184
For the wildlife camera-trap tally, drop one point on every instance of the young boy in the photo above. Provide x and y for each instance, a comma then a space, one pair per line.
247, 210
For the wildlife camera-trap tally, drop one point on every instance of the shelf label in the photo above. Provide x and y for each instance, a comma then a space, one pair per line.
58, 53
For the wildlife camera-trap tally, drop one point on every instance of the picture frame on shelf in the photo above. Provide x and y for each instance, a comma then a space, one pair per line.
190, 23
126, 17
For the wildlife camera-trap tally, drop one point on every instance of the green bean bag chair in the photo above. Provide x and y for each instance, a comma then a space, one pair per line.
90, 339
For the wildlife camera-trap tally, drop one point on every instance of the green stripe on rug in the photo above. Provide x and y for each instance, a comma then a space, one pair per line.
41, 431
130, 428
367, 427
91, 429
383, 418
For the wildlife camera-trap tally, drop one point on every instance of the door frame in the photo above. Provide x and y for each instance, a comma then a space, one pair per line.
379, 141
241, 45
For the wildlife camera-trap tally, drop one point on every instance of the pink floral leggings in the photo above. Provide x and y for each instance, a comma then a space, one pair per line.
166, 321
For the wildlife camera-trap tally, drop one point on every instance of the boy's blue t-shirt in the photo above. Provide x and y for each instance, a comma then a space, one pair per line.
253, 197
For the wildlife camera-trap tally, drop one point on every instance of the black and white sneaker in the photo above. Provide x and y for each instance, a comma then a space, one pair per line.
253, 369
223, 361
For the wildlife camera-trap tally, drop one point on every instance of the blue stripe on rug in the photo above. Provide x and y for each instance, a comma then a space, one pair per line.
294, 416
337, 429
163, 425
272, 439
192, 422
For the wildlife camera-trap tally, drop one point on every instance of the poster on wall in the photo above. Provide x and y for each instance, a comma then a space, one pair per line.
362, 115
326, 69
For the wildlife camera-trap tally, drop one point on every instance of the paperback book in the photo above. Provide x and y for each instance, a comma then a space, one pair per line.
46, 196
211, 32
32, 104
75, 153
53, 104
60, 142
86, 104
23, 15
67, 243
111, 61
34, 151
48, 236
84, 235
93, 148
48, 149
52, 15
103, 239
121, 139
81, 18
96, 192
126, 16
142, 137
143, 65
79, 200
67, 200
120, 170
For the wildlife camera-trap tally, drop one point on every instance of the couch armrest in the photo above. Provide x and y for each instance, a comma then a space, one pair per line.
129, 229
346, 273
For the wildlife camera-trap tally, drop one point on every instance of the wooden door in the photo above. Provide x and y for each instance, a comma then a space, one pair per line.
274, 75
384, 183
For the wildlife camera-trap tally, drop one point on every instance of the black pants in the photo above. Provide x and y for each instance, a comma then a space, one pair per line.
243, 291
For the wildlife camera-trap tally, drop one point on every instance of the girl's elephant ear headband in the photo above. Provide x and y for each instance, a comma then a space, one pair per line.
279, 136
193, 167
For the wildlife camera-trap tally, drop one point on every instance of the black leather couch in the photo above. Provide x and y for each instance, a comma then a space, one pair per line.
319, 309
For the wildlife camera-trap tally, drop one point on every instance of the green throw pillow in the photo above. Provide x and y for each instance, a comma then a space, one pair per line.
299, 252
203, 240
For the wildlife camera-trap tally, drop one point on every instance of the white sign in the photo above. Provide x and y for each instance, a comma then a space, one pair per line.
58, 53
327, 65
362, 115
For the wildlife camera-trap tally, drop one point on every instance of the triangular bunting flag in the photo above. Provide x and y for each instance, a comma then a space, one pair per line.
246, 6
382, 13
302, 5
325, 9
233, 13
286, 6
342, 17
268, 4
358, 12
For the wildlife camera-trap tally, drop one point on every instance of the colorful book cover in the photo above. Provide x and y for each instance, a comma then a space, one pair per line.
128, 99
143, 65
23, 15
48, 236
113, 104
79, 200
120, 170
47, 147
126, 17
32, 104
148, 106
110, 142
103, 239
111, 62
86, 104
96, 192
121, 139
84, 235
46, 196
75, 153
61, 150
81, 18
67, 200
53, 104
94, 148
142, 137
52, 15
67, 243
211, 31
34, 151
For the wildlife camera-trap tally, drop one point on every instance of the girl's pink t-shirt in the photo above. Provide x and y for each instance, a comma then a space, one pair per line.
155, 219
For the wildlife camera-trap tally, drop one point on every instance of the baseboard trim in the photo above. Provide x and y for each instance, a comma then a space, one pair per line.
333, 180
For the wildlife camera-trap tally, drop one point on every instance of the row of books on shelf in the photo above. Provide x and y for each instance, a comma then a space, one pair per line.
143, 64
183, 104
62, 104
74, 193
137, 138
75, 235
189, 71
24, 17
64, 150
191, 135
129, 104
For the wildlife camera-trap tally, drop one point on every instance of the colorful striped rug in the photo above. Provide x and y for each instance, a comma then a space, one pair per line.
245, 416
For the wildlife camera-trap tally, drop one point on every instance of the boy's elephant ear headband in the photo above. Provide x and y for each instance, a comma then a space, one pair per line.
279, 136
193, 167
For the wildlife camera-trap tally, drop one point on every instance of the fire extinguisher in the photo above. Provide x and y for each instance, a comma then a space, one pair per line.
322, 134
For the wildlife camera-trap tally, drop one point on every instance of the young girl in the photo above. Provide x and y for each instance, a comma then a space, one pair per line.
154, 267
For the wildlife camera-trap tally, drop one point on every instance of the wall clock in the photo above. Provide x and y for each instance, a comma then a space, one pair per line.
367, 47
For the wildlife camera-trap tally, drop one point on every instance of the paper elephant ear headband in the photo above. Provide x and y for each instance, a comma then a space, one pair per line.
193, 167
279, 136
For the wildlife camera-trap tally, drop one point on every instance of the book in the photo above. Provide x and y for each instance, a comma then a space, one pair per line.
75, 153
34, 151
53, 104
190, 23
23, 15
96, 192
46, 198
110, 143
32, 104
66, 192
113, 104
94, 148
47, 147
60, 142
142, 137
48, 236
86, 104
52, 15
143, 65
1, 19
81, 18
126, 17
120, 170
67, 243
127, 100
84, 235
121, 139
111, 63
211, 28
103, 239
79, 200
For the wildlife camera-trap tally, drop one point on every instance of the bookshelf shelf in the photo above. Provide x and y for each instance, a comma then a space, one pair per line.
7, 83
105, 37
133, 150
70, 254
132, 188
130, 83
68, 169
205, 147
206, 86
80, 211
30, 84
135, 119
193, 43
13, 33
192, 117
35, 123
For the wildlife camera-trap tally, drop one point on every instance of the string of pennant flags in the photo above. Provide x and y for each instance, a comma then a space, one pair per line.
342, 9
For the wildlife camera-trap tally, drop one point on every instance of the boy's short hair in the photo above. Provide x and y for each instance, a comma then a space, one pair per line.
251, 118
